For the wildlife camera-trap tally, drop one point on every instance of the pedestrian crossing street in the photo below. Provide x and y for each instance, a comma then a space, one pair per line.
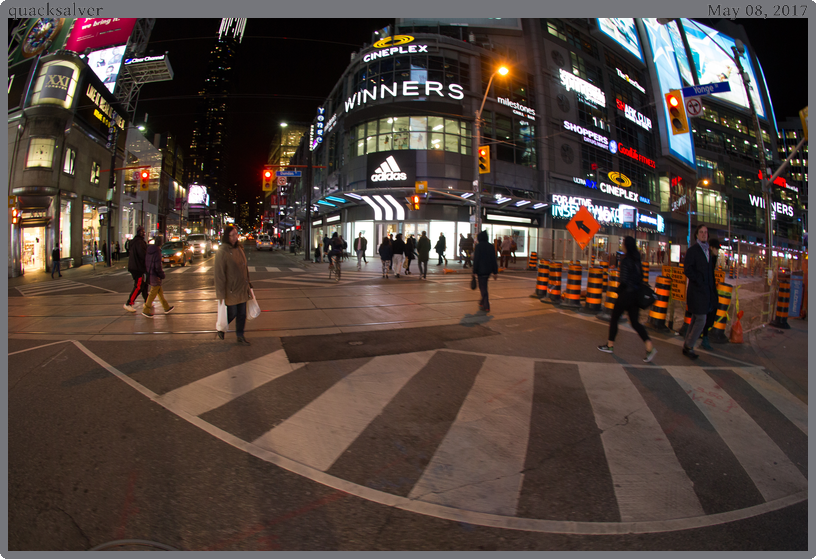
516, 437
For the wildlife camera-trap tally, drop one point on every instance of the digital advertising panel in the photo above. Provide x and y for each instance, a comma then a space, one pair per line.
106, 64
42, 35
680, 54
713, 57
623, 31
97, 33
668, 78
198, 195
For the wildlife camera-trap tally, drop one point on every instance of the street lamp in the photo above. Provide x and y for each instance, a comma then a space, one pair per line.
477, 182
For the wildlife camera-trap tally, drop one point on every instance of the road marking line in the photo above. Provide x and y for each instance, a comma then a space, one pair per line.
770, 469
38, 347
321, 431
297, 269
478, 466
202, 269
791, 407
649, 482
315, 283
448, 513
220, 388
180, 270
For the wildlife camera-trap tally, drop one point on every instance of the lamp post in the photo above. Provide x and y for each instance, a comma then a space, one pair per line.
477, 134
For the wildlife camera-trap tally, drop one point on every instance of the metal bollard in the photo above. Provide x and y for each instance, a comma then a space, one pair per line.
660, 308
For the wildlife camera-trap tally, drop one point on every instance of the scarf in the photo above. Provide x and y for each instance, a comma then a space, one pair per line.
704, 246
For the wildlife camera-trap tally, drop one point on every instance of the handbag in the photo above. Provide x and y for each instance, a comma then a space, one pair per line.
221, 321
253, 309
473, 281
645, 296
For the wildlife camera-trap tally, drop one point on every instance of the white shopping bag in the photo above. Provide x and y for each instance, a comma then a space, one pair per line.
222, 322
253, 309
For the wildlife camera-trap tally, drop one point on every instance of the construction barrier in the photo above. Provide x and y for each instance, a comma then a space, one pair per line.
660, 308
542, 279
554, 288
686, 322
531, 262
717, 332
611, 297
572, 295
645, 267
594, 293
782, 303
731, 271
605, 268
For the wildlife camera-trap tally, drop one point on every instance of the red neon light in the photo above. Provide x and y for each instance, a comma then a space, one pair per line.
779, 181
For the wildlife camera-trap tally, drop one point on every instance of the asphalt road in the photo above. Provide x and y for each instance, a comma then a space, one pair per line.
505, 432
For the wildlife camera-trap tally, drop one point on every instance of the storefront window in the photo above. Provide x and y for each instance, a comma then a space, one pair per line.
68, 164
711, 207
90, 229
40, 152
65, 228
34, 248
418, 133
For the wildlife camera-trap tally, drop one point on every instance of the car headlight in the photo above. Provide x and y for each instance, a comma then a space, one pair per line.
203, 245
178, 254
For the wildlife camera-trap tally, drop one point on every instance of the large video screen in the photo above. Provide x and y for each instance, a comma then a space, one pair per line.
95, 33
668, 77
712, 54
106, 64
624, 32
680, 54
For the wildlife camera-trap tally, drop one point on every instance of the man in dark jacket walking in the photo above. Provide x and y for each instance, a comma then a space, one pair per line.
440, 248
398, 247
484, 264
423, 253
55, 261
137, 269
697, 267
155, 275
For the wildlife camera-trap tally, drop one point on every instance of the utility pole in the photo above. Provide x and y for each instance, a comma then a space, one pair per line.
307, 235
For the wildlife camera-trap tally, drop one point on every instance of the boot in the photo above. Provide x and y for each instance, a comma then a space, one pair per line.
705, 344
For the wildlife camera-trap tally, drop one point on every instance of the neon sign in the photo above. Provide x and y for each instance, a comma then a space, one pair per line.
564, 207
778, 207
409, 89
392, 46
518, 108
636, 117
589, 91
634, 84
592, 137
631, 152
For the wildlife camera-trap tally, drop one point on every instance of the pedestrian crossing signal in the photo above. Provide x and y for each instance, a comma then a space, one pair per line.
677, 112
15, 216
144, 180
484, 159
414, 202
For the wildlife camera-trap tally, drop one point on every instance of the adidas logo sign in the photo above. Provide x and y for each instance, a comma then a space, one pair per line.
389, 171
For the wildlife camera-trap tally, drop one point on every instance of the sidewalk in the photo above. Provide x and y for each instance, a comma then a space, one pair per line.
71, 273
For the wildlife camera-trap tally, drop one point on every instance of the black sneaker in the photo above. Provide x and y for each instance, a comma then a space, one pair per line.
689, 352
147, 315
605, 349
243, 341
170, 309
219, 335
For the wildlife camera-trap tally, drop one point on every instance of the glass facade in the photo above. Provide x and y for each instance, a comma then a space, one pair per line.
413, 132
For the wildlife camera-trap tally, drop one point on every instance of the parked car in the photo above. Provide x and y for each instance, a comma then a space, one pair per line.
202, 244
177, 252
263, 242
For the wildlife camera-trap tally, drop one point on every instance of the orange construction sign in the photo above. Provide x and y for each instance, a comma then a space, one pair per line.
583, 227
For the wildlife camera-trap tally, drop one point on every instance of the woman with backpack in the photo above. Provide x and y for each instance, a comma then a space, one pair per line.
631, 279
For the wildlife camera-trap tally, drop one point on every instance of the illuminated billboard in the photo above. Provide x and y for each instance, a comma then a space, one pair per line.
106, 64
41, 36
198, 195
668, 78
96, 33
712, 54
623, 31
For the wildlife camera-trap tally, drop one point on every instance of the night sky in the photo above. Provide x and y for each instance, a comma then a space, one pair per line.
287, 67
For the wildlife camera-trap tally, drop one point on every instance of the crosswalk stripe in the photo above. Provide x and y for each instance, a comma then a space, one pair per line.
216, 390
202, 269
297, 269
272, 269
770, 469
305, 283
319, 433
790, 406
180, 270
121, 273
479, 463
649, 482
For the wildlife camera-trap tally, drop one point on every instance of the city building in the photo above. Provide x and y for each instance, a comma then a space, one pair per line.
580, 119
796, 175
285, 142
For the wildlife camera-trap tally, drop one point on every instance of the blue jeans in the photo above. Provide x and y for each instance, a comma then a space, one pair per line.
55, 267
237, 313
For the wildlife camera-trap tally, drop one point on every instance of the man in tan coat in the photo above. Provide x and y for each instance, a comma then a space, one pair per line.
232, 281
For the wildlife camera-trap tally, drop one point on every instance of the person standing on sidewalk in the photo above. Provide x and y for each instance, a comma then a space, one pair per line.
155, 275
484, 264
386, 253
440, 248
423, 254
232, 284
505, 252
461, 247
116, 254
701, 285
137, 269
55, 261
711, 317
468, 249
631, 279
360, 244
398, 247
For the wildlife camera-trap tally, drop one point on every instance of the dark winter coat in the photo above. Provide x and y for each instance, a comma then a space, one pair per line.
484, 257
398, 247
467, 245
631, 275
409, 249
363, 244
138, 252
423, 249
385, 252
153, 265
701, 285
440, 246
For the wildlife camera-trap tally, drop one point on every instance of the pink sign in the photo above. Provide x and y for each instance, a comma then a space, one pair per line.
95, 33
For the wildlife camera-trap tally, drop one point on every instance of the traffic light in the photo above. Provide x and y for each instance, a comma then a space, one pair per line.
144, 180
484, 159
415, 202
15, 216
677, 112
268, 183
